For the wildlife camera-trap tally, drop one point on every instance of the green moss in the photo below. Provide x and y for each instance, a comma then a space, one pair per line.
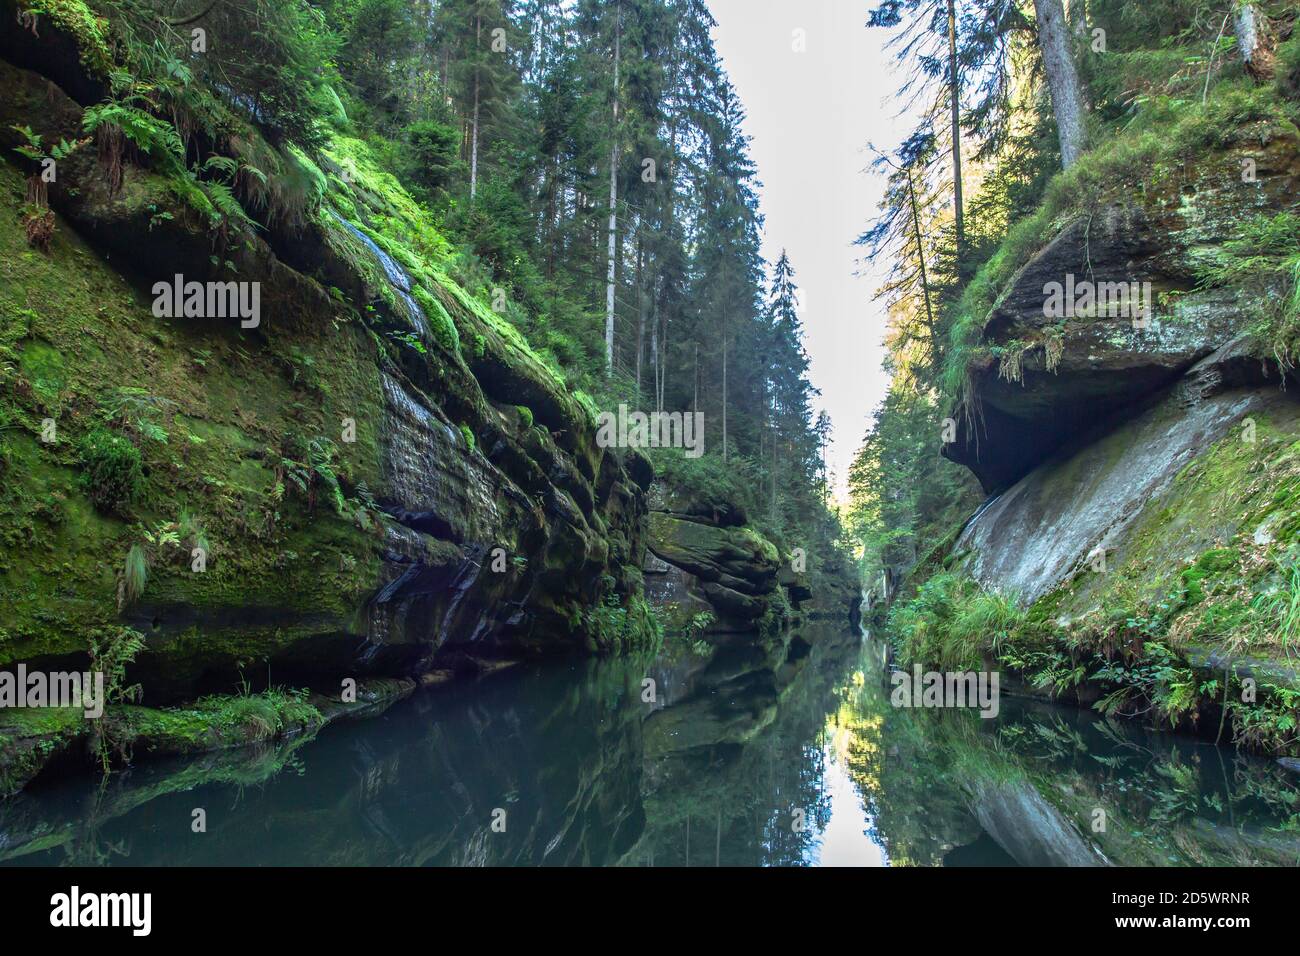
468, 435
217, 721
78, 20
43, 367
1209, 565
1145, 159
113, 475
440, 323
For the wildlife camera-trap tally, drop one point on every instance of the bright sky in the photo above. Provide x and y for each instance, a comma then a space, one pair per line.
811, 115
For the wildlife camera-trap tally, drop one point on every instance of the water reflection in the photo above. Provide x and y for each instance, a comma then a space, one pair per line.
786, 753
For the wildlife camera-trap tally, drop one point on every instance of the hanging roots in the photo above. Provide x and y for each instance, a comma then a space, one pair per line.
38, 218
1053, 349
112, 155
1010, 366
38, 193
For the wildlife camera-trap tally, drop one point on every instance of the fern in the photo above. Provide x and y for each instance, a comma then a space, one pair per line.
148, 134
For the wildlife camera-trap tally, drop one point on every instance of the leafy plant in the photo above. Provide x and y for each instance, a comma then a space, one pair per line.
114, 477
110, 654
138, 410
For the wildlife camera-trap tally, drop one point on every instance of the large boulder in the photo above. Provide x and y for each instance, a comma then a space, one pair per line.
1061, 519
705, 570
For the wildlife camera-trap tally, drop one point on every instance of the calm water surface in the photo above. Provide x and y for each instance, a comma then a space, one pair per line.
787, 754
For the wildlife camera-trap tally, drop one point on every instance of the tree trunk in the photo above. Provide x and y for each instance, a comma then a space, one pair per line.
774, 466
1062, 80
473, 149
695, 405
654, 352
1077, 15
954, 92
613, 205
663, 361
920, 258
724, 398
640, 311
1254, 42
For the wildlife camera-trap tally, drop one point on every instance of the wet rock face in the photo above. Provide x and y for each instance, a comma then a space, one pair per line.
1057, 365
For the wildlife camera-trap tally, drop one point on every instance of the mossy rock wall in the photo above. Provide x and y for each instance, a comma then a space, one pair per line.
370, 497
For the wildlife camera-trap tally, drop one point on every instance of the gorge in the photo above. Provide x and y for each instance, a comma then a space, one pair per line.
427, 480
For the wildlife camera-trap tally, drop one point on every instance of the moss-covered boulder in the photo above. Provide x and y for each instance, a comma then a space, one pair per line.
718, 579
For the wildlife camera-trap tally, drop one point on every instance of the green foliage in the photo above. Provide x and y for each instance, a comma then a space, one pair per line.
113, 475
952, 623
156, 138
435, 154
313, 467
135, 572
138, 410
110, 653
1288, 67
1264, 259
621, 624
259, 715
1159, 676
1278, 608
468, 435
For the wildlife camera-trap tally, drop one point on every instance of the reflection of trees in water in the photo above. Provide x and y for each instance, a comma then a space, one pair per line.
589, 774
908, 785
728, 794
1166, 799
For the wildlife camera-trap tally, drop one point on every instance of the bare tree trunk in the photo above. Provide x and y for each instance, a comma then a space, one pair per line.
920, 258
663, 353
1062, 79
473, 161
695, 406
654, 352
774, 466
613, 205
640, 312
954, 92
724, 398
1254, 42
1077, 14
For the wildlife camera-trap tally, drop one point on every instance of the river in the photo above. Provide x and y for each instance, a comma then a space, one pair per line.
759, 755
